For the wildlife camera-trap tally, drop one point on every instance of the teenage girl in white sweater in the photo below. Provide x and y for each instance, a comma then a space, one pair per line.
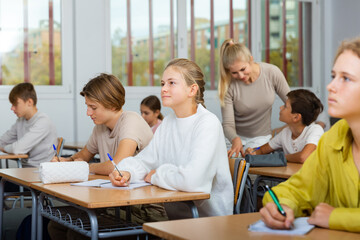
188, 151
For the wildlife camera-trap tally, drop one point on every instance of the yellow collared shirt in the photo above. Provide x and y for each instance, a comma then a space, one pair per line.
329, 175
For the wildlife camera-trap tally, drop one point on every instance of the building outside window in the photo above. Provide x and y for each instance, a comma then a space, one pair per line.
30, 42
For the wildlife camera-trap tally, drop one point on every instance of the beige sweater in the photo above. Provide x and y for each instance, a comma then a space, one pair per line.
247, 110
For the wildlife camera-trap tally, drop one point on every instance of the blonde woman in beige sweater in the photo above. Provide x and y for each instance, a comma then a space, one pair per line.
247, 92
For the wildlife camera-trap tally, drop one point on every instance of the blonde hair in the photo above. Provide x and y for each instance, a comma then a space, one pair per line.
351, 45
107, 90
192, 74
230, 52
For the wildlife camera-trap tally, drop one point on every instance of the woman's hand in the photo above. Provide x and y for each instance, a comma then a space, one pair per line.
273, 218
237, 147
119, 181
148, 177
321, 215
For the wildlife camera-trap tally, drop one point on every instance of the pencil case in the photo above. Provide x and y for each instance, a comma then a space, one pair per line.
276, 159
62, 172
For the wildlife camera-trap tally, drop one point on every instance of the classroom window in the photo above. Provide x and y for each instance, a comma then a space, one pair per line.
30, 42
286, 39
143, 34
209, 23
144, 38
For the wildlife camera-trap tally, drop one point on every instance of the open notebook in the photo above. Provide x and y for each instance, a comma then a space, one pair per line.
301, 227
107, 184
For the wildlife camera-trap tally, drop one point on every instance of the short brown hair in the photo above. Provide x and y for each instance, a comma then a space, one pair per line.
107, 90
305, 102
24, 91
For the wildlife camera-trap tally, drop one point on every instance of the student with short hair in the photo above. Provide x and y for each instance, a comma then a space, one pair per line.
33, 132
150, 109
117, 132
301, 135
188, 151
327, 186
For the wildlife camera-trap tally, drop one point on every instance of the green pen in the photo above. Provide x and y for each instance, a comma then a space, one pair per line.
276, 201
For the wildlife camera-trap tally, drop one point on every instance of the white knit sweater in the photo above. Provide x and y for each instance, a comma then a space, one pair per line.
189, 154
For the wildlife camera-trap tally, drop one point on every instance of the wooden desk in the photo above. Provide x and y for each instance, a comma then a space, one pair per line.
75, 146
92, 197
231, 227
277, 174
10, 156
13, 156
22, 177
88, 199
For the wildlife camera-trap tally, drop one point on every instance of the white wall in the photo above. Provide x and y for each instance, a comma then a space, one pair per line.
341, 21
85, 40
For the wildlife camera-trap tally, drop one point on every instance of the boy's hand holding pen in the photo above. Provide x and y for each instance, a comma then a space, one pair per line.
251, 151
56, 155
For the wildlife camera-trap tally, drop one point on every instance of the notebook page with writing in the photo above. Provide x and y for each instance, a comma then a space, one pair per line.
301, 227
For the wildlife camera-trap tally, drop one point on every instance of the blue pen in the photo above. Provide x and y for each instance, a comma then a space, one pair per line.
111, 160
56, 153
255, 149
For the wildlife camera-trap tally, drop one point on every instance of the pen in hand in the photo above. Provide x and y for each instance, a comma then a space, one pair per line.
276, 201
111, 160
56, 153
254, 150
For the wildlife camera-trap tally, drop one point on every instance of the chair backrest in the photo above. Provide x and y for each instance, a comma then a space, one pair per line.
237, 167
245, 184
60, 146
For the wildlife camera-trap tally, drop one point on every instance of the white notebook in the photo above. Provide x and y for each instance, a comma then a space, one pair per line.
107, 184
301, 227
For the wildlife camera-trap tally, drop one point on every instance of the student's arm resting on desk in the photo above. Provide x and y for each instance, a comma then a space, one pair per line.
312, 136
126, 148
31, 138
300, 157
345, 219
8, 137
264, 149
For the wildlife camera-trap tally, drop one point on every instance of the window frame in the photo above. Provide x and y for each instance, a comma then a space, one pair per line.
254, 39
64, 91
315, 42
